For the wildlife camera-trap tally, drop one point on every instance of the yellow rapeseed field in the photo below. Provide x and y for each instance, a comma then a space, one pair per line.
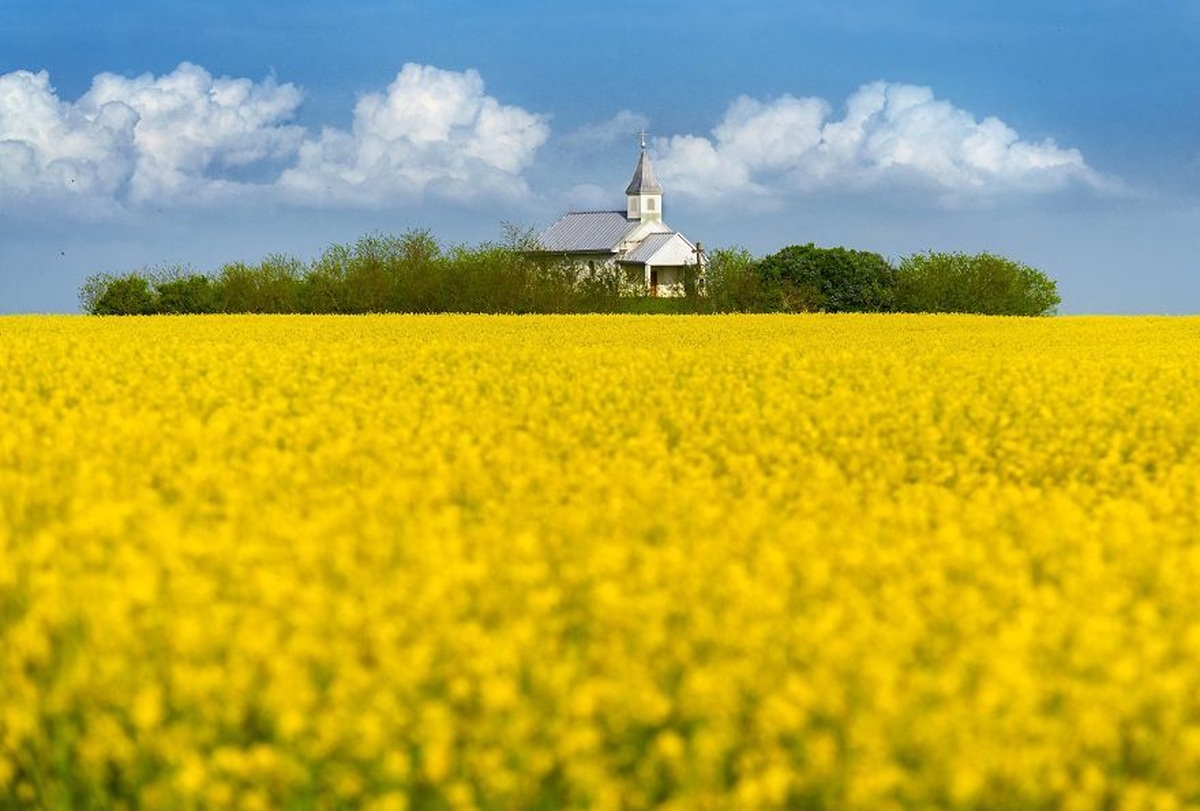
608, 563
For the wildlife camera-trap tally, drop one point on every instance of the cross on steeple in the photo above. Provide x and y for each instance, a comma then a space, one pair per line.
642, 138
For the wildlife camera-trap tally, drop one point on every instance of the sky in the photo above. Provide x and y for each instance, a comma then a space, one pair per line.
151, 135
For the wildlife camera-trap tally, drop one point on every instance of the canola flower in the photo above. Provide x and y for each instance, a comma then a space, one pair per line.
732, 562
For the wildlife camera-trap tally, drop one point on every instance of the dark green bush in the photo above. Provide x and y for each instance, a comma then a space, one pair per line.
835, 280
185, 294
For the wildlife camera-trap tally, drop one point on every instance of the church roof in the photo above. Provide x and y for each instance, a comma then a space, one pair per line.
587, 232
644, 180
648, 247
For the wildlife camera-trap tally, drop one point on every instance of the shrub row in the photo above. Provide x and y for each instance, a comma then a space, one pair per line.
379, 273
412, 273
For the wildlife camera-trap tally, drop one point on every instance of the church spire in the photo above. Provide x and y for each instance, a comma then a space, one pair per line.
644, 193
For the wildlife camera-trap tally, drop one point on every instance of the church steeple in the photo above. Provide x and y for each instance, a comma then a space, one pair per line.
644, 194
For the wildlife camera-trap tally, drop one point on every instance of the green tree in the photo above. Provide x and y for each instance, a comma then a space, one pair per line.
180, 290
236, 288
273, 286
324, 288
107, 294
973, 283
92, 291
371, 277
413, 268
829, 279
735, 285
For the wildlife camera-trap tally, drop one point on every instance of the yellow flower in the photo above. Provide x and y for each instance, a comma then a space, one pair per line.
874, 562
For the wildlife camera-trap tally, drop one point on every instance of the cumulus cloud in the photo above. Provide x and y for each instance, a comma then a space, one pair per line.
891, 135
189, 137
140, 139
48, 146
190, 129
433, 132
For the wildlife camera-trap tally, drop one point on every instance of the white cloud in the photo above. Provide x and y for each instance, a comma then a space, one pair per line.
891, 135
187, 137
624, 125
189, 128
146, 139
434, 132
47, 146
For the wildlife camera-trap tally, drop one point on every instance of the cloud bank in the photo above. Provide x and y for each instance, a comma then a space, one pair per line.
187, 137
892, 135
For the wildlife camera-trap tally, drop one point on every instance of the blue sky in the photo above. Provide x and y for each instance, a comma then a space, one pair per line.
142, 134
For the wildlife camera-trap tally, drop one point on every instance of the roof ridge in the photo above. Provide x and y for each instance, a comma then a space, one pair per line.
588, 231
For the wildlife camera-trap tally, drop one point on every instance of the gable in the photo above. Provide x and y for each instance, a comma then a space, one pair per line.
663, 250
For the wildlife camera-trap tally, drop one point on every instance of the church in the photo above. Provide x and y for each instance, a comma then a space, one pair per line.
652, 256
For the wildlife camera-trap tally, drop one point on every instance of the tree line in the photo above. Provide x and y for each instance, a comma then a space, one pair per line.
413, 273
805, 278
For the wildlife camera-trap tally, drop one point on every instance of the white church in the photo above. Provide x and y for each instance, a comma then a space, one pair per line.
636, 240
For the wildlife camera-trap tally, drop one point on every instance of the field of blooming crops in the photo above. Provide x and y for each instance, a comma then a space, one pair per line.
727, 562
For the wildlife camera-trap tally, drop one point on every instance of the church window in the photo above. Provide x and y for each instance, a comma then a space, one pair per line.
650, 204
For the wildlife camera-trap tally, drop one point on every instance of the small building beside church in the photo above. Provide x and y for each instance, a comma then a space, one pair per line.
651, 256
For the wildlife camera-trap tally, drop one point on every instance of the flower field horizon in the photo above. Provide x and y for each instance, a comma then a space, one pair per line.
599, 562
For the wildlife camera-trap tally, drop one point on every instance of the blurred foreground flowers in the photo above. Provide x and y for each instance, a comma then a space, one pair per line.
598, 562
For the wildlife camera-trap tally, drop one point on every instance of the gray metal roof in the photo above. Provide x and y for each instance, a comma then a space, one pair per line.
648, 247
644, 180
587, 231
